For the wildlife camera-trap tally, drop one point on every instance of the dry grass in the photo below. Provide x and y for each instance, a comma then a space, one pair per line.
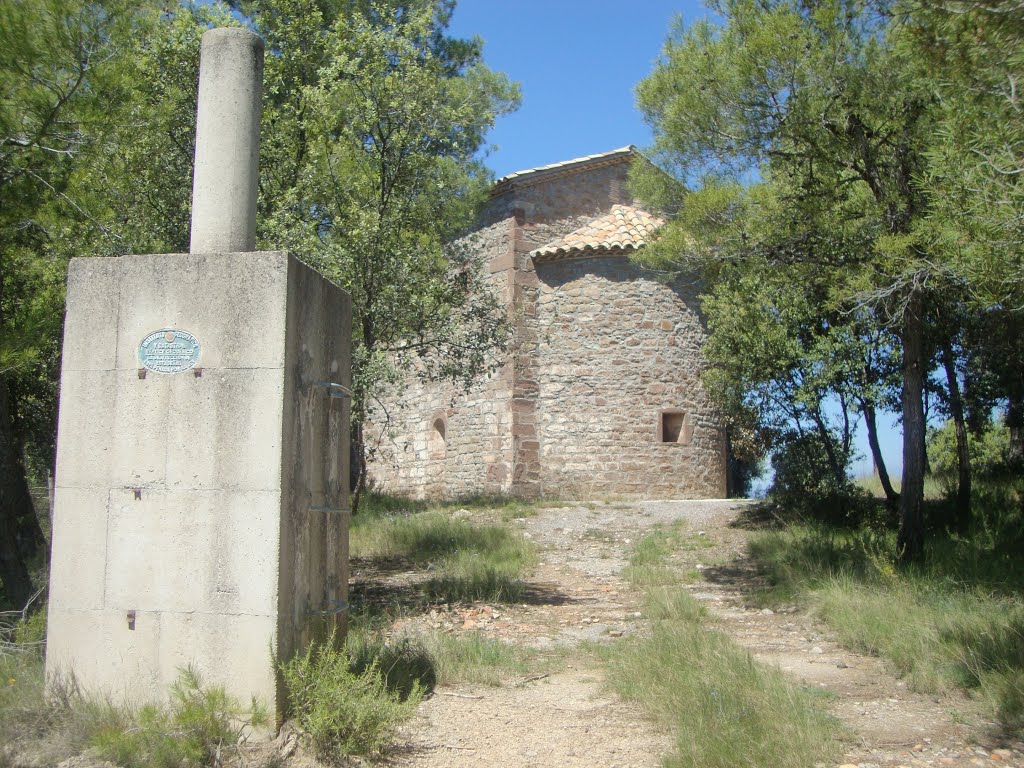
956, 621
726, 709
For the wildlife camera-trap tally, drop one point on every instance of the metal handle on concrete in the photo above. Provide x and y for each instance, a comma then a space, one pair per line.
332, 608
337, 390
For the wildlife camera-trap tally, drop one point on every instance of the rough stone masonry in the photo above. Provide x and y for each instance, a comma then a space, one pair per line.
202, 451
601, 394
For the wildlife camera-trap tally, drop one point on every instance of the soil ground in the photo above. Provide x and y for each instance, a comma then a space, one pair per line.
569, 718
565, 716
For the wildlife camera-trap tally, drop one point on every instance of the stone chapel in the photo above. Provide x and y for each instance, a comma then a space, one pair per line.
600, 394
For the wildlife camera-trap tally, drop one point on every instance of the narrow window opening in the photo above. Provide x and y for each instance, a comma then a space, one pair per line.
671, 427
674, 427
437, 438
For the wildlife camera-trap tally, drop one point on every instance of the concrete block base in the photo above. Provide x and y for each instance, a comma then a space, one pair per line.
200, 516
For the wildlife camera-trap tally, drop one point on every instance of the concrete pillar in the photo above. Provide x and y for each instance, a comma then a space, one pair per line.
226, 172
200, 511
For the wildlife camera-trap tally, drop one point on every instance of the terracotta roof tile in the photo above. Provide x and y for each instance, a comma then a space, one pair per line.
623, 229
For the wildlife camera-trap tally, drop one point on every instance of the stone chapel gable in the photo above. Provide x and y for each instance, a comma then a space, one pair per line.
601, 393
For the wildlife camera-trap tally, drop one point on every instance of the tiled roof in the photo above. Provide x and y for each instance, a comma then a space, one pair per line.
565, 168
624, 229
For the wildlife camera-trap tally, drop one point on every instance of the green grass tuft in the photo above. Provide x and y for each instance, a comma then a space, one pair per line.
345, 712
726, 709
476, 660
649, 563
955, 621
407, 663
467, 562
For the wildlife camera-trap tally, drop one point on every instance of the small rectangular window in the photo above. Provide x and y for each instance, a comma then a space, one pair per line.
671, 427
674, 427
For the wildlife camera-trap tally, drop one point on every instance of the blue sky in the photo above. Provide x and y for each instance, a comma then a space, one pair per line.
578, 62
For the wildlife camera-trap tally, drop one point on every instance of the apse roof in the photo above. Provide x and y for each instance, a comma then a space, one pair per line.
623, 229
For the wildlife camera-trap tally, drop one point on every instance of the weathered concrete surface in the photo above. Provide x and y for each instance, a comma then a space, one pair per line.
224, 184
197, 516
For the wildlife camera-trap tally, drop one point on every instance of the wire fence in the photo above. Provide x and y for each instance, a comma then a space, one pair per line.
10, 622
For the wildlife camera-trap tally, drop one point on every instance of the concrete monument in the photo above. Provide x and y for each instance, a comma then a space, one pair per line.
202, 461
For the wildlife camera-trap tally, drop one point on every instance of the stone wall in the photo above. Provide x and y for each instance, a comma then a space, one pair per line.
600, 351
617, 349
551, 207
408, 453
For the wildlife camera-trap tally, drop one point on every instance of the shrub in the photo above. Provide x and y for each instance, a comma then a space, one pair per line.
202, 727
344, 712
805, 485
989, 452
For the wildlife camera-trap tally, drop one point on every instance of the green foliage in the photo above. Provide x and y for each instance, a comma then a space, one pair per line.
805, 485
145, 168
58, 65
954, 621
29, 633
990, 453
725, 708
467, 562
802, 131
344, 712
973, 50
203, 726
783, 257
375, 119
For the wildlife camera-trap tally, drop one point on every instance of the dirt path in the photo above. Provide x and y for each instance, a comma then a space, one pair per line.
889, 725
568, 718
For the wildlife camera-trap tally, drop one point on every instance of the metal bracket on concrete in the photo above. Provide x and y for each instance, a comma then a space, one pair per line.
336, 390
331, 608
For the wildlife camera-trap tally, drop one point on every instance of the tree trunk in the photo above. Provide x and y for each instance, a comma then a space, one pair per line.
1015, 424
358, 449
1014, 389
15, 505
963, 456
891, 496
910, 539
838, 468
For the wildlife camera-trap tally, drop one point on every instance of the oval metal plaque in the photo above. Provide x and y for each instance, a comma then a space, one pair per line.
169, 350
